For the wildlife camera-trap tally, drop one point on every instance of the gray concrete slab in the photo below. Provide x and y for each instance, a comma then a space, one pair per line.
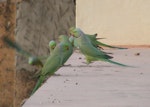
99, 84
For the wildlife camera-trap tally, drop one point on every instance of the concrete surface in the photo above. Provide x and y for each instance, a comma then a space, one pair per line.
100, 84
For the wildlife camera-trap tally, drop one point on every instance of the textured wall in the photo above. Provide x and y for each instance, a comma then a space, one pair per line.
38, 21
7, 59
125, 22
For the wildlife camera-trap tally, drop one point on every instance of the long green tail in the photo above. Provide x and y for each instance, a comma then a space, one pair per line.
105, 45
117, 63
38, 84
15, 46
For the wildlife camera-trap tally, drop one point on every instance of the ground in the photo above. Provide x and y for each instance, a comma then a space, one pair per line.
99, 84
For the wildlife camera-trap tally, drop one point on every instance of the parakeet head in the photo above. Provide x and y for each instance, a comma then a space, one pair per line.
76, 32
33, 60
52, 44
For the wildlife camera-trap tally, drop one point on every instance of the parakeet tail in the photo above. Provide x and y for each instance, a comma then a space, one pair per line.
11, 43
113, 62
105, 45
38, 84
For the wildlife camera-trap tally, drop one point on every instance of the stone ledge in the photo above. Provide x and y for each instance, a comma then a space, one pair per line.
98, 85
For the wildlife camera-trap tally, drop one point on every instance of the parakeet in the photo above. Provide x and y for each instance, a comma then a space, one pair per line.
59, 56
94, 40
32, 60
87, 48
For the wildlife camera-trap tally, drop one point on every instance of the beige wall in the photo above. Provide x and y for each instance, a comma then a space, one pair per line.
122, 22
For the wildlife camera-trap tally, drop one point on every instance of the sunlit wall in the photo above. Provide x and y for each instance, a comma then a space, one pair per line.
122, 22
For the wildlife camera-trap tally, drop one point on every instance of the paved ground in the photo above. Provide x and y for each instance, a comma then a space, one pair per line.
100, 84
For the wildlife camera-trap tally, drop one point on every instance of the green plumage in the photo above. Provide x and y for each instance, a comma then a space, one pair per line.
95, 41
89, 59
59, 56
68, 53
32, 60
52, 45
88, 49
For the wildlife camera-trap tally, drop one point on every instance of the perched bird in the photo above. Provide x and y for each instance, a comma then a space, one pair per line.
59, 56
32, 60
86, 47
94, 40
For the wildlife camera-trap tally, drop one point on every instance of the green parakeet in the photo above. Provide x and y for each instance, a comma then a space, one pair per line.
94, 40
87, 48
59, 56
32, 60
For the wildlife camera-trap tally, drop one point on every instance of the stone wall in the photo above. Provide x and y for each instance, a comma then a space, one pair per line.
38, 21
